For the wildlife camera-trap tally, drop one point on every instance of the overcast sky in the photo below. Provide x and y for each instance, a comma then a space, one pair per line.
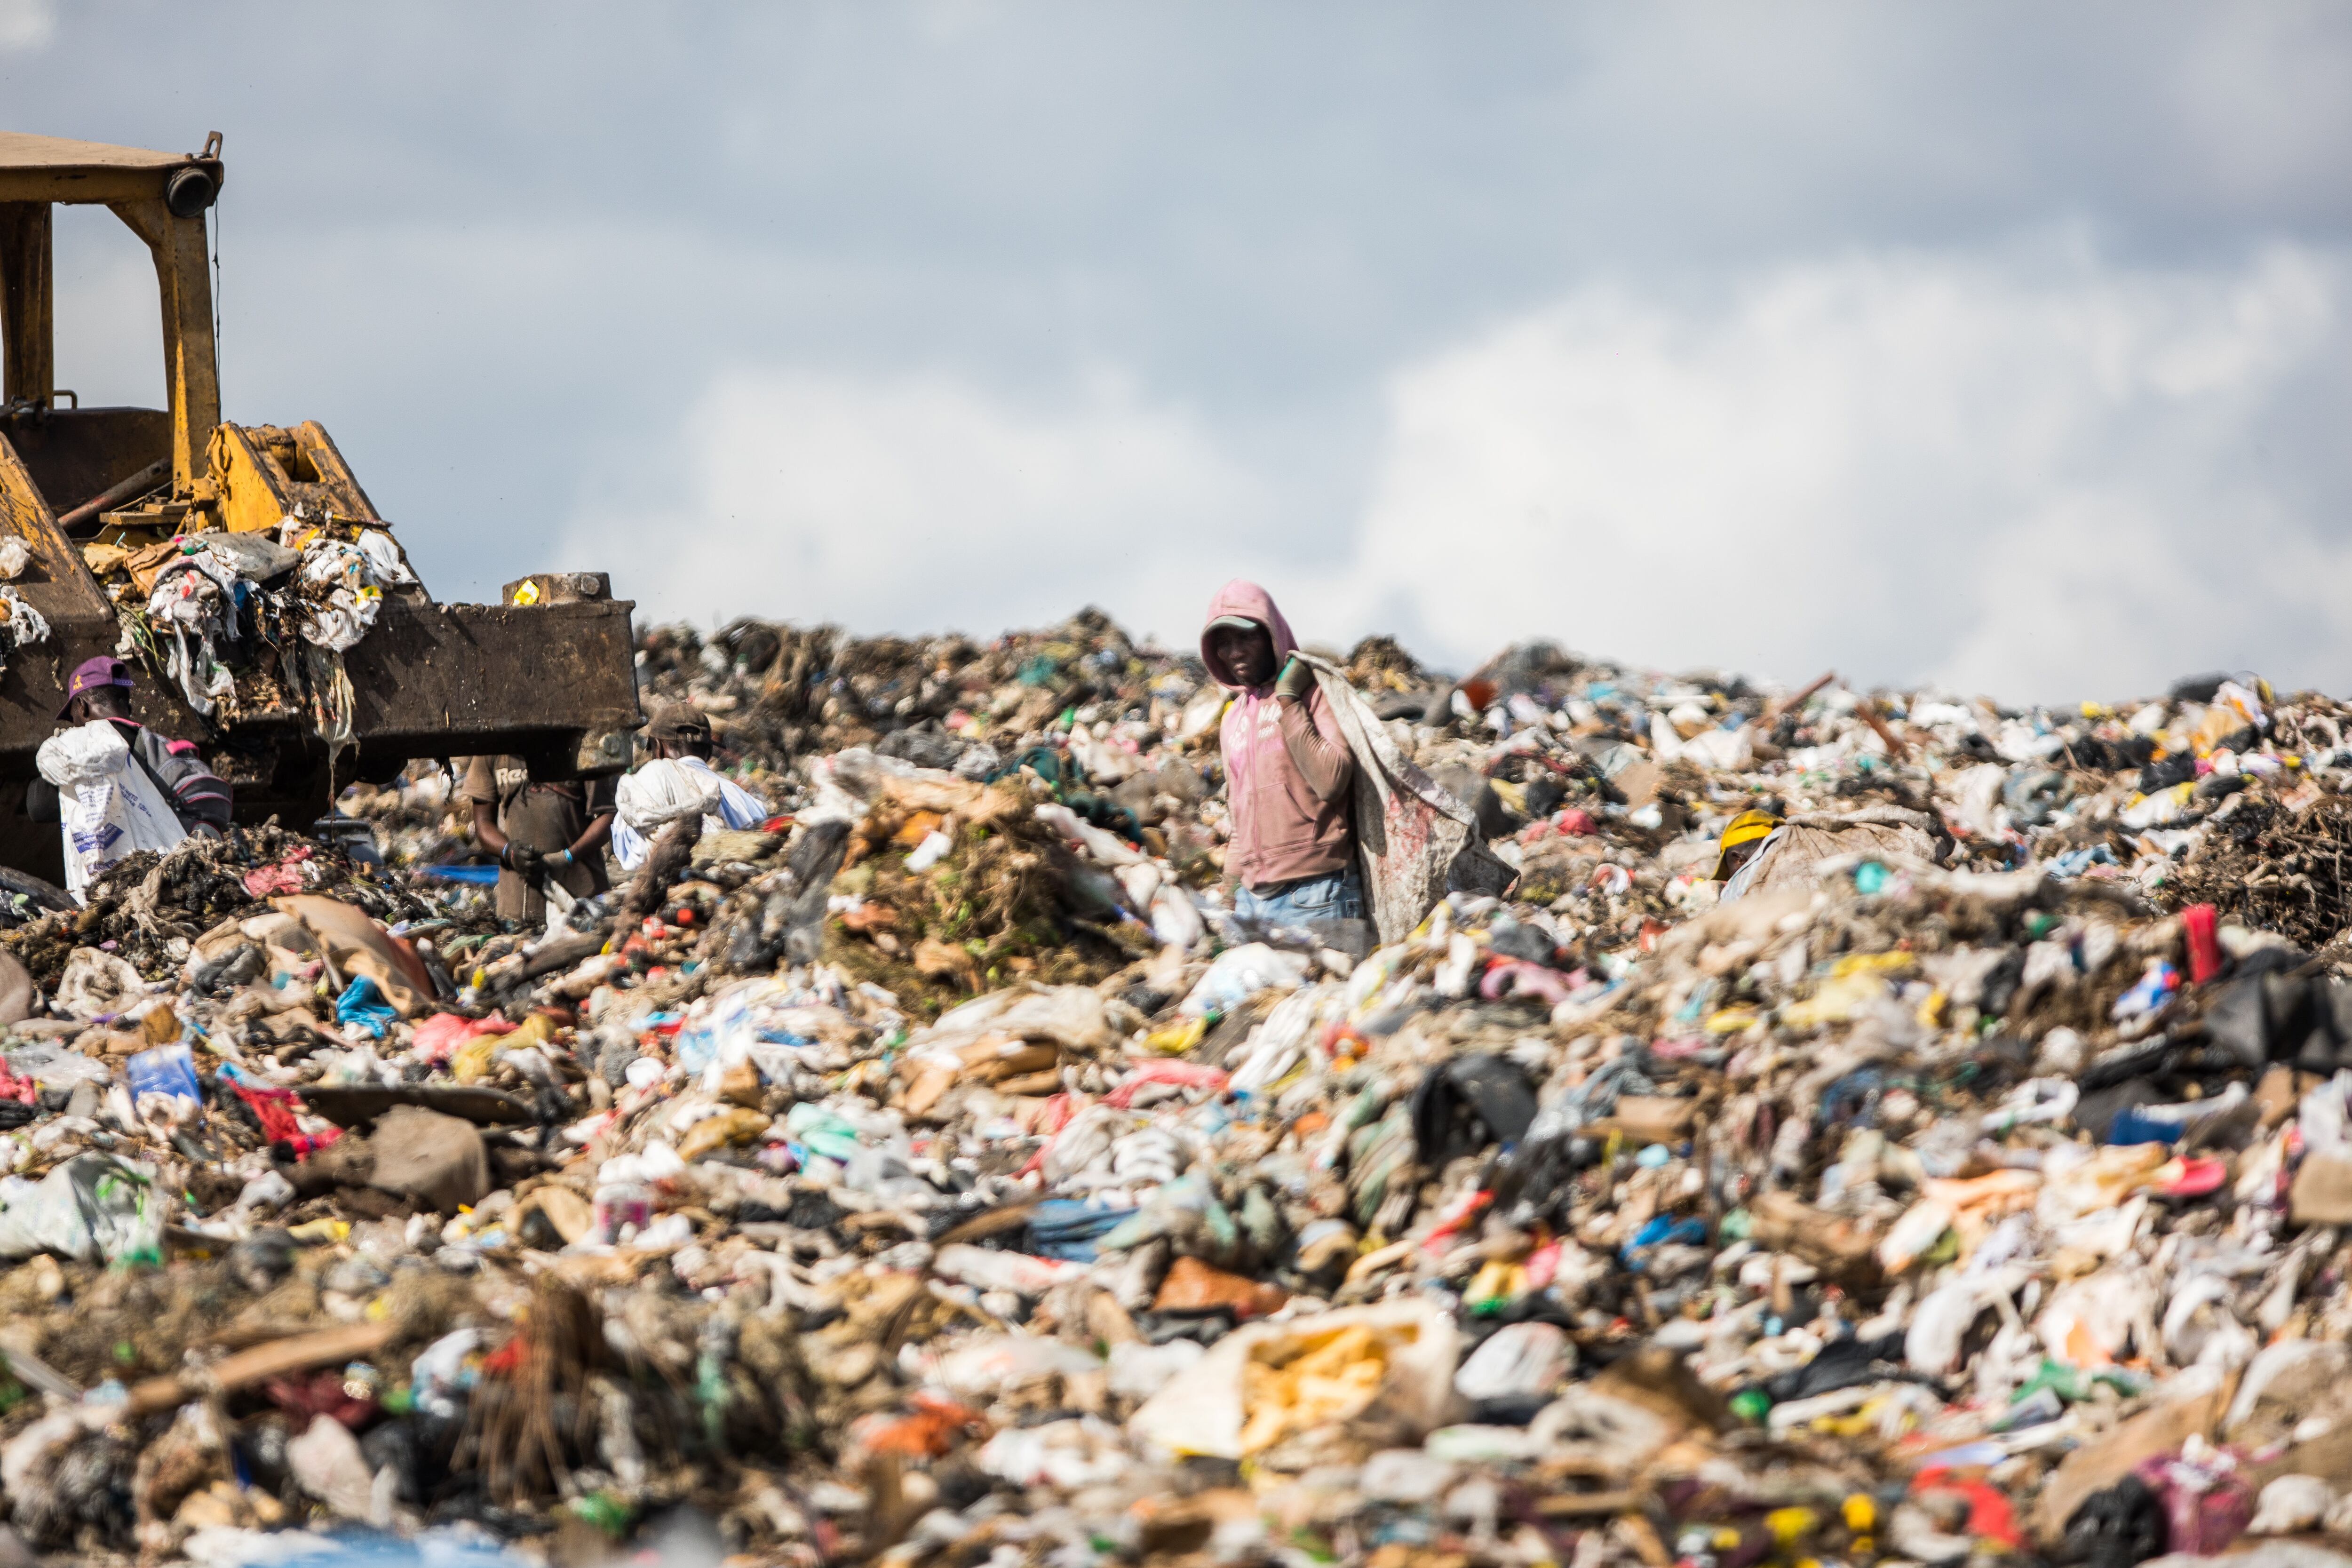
2003, 346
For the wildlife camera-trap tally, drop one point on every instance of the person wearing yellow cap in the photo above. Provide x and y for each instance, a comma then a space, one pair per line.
1740, 857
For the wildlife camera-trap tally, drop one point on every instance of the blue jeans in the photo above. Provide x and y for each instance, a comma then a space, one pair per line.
1337, 897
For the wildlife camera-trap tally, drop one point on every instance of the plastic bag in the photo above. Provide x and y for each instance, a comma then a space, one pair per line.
1279, 1044
354, 598
20, 623
991, 1363
1075, 1018
823, 1130
2292, 1504
668, 789
95, 985
109, 808
751, 1021
1240, 973
357, 946
440, 1037
1175, 919
987, 1269
54, 1066
386, 563
1065, 1454
194, 604
1139, 1371
2325, 1118
1518, 1359
361, 1005
171, 1069
91, 1207
1107, 847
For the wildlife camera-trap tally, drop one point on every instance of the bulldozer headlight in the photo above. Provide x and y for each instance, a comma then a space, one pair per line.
190, 191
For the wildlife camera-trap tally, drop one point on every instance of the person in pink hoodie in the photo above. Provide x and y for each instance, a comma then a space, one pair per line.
1288, 770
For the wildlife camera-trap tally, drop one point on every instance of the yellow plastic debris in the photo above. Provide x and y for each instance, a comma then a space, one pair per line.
1333, 1380
1176, 1039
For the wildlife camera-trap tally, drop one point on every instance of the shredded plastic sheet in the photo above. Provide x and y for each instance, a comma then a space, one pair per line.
195, 603
1417, 841
21, 626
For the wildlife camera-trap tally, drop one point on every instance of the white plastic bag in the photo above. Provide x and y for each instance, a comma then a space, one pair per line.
1517, 1360
1139, 1371
386, 565
108, 805
2325, 1117
1240, 973
1279, 1044
1175, 919
1108, 848
668, 789
97, 983
192, 604
327, 1462
991, 1363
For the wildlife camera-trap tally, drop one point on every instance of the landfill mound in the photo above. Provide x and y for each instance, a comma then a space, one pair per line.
940, 1171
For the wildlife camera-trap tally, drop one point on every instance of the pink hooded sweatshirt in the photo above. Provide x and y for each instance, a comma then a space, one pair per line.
1288, 766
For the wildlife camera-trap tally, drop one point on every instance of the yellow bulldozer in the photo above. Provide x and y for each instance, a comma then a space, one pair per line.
100, 497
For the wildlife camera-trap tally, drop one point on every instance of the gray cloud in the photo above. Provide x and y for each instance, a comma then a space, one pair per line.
27, 26
545, 271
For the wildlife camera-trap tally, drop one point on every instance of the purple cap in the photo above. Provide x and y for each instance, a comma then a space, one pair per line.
92, 673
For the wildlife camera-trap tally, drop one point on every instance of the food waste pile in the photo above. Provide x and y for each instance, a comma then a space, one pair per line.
940, 1172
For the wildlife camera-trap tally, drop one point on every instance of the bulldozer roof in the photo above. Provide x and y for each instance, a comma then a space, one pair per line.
58, 169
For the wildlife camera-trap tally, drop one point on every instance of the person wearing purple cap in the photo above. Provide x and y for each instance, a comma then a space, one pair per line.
100, 690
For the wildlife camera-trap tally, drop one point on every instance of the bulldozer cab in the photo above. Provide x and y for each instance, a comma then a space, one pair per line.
100, 499
73, 456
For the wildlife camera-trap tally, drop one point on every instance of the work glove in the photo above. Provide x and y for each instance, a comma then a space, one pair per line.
521, 858
1296, 681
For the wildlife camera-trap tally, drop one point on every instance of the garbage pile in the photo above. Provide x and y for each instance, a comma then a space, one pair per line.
941, 1171
775, 692
243, 623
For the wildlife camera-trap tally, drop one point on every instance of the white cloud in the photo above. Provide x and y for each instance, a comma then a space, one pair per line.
920, 502
27, 25
2039, 477
2032, 475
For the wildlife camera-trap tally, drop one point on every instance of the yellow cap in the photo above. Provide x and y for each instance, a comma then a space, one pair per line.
1747, 827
